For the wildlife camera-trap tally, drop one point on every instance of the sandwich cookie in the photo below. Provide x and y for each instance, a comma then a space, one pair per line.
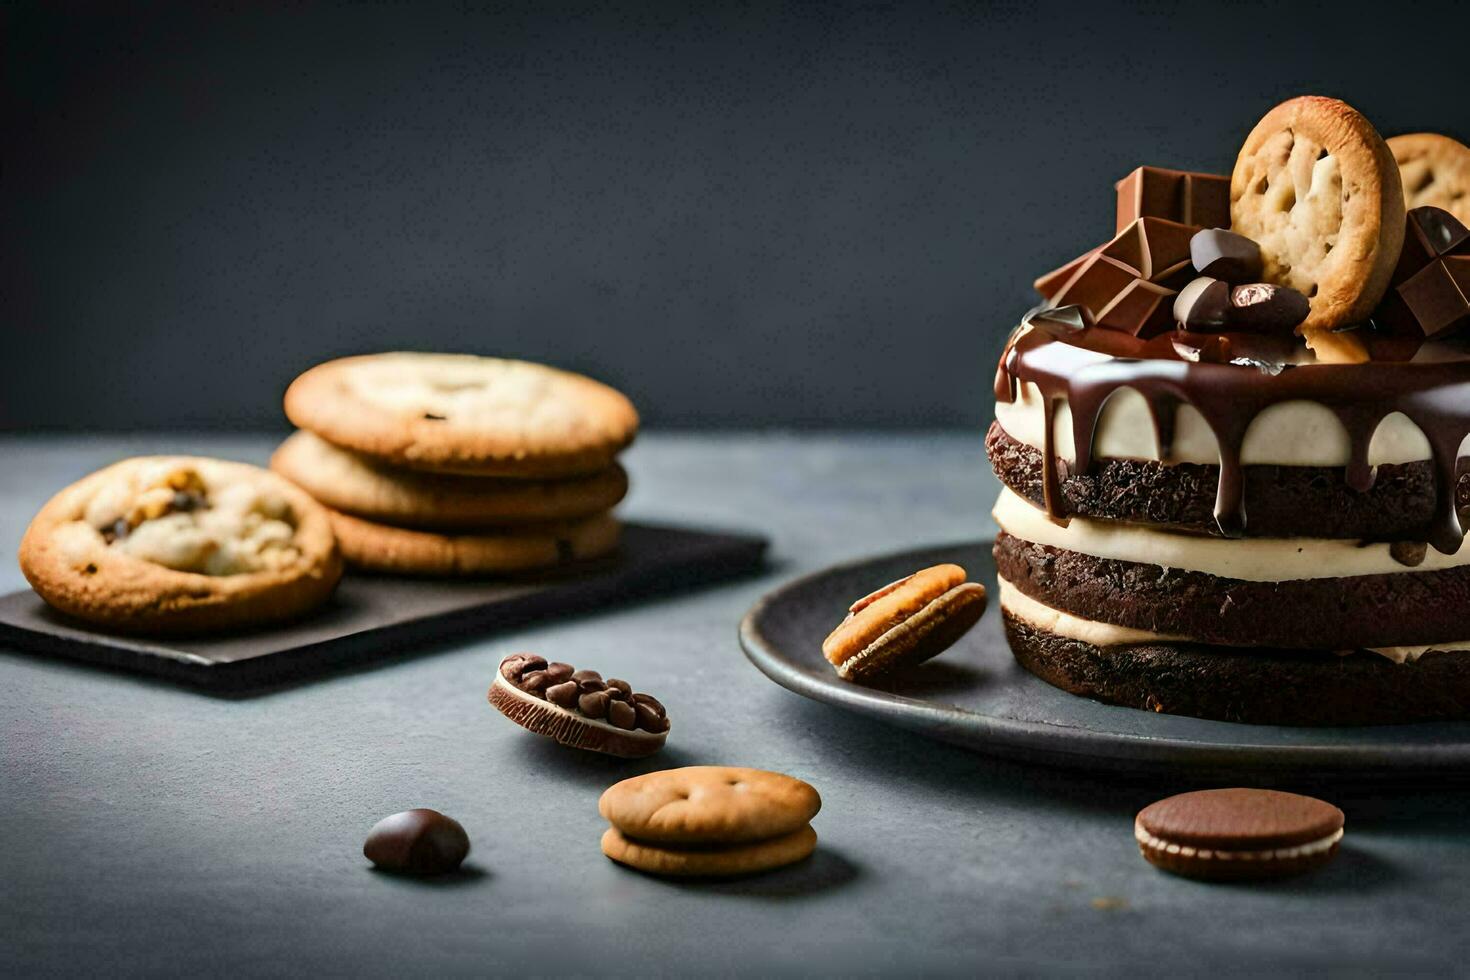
709, 821
1237, 834
578, 708
464, 414
904, 623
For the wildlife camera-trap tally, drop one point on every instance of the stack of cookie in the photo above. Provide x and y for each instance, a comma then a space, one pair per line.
443, 464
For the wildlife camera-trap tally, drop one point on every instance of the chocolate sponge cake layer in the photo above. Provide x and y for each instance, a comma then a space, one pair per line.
1387, 610
1260, 686
1281, 501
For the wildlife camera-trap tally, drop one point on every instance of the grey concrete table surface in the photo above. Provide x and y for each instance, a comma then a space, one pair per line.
152, 829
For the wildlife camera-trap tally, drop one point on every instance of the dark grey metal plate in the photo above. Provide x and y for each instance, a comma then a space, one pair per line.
976, 695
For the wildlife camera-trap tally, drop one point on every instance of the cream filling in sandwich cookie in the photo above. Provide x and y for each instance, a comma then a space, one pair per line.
1149, 841
1247, 559
1040, 616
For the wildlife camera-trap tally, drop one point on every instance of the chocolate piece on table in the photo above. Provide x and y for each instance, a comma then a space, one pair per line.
417, 842
579, 708
1203, 305
1223, 254
1190, 198
1267, 307
1049, 284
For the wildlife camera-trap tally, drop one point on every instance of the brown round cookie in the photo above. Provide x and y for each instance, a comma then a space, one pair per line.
352, 483
709, 805
1281, 501
1347, 613
396, 550
181, 544
1238, 834
904, 623
1260, 686
1317, 188
577, 708
710, 862
464, 414
1435, 171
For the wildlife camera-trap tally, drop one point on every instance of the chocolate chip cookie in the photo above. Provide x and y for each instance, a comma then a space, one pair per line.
178, 544
464, 414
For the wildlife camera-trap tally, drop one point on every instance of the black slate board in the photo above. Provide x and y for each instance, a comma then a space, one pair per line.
376, 615
977, 696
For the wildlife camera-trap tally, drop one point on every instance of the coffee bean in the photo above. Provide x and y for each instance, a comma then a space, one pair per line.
622, 715
512, 667
559, 672
650, 701
535, 682
586, 675
621, 690
594, 705
646, 718
591, 686
417, 842
563, 695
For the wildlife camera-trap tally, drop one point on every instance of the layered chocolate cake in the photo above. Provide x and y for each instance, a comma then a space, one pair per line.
1234, 443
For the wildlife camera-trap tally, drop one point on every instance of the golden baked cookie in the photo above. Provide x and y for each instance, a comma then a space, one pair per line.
464, 414
180, 544
397, 550
710, 862
1317, 188
1436, 172
709, 805
351, 482
905, 623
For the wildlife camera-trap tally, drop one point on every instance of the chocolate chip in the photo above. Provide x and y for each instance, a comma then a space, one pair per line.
419, 842
621, 715
1203, 305
648, 719
1409, 553
1222, 254
431, 417
621, 690
512, 667
563, 695
1268, 307
559, 672
594, 704
535, 682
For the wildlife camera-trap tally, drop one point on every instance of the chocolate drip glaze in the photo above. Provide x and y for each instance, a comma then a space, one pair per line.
1433, 391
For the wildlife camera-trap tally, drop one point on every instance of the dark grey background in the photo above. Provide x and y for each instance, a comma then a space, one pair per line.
805, 214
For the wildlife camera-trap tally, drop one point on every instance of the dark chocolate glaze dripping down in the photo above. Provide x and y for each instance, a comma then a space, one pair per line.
1433, 392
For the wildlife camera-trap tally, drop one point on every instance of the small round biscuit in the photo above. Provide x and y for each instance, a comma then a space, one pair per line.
1316, 187
713, 862
1436, 172
401, 551
459, 413
905, 623
709, 805
181, 544
352, 483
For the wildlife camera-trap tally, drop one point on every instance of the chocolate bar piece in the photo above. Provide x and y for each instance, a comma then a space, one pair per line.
1429, 294
1051, 283
1439, 295
1155, 249
1143, 309
1176, 195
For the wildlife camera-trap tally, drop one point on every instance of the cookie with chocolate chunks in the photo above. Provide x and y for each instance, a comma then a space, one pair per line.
904, 623
578, 708
1238, 834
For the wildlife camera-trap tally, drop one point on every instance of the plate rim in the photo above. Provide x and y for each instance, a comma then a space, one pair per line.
1057, 743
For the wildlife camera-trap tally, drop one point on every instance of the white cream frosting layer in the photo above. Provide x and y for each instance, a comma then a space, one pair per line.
1295, 433
1042, 617
1248, 559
